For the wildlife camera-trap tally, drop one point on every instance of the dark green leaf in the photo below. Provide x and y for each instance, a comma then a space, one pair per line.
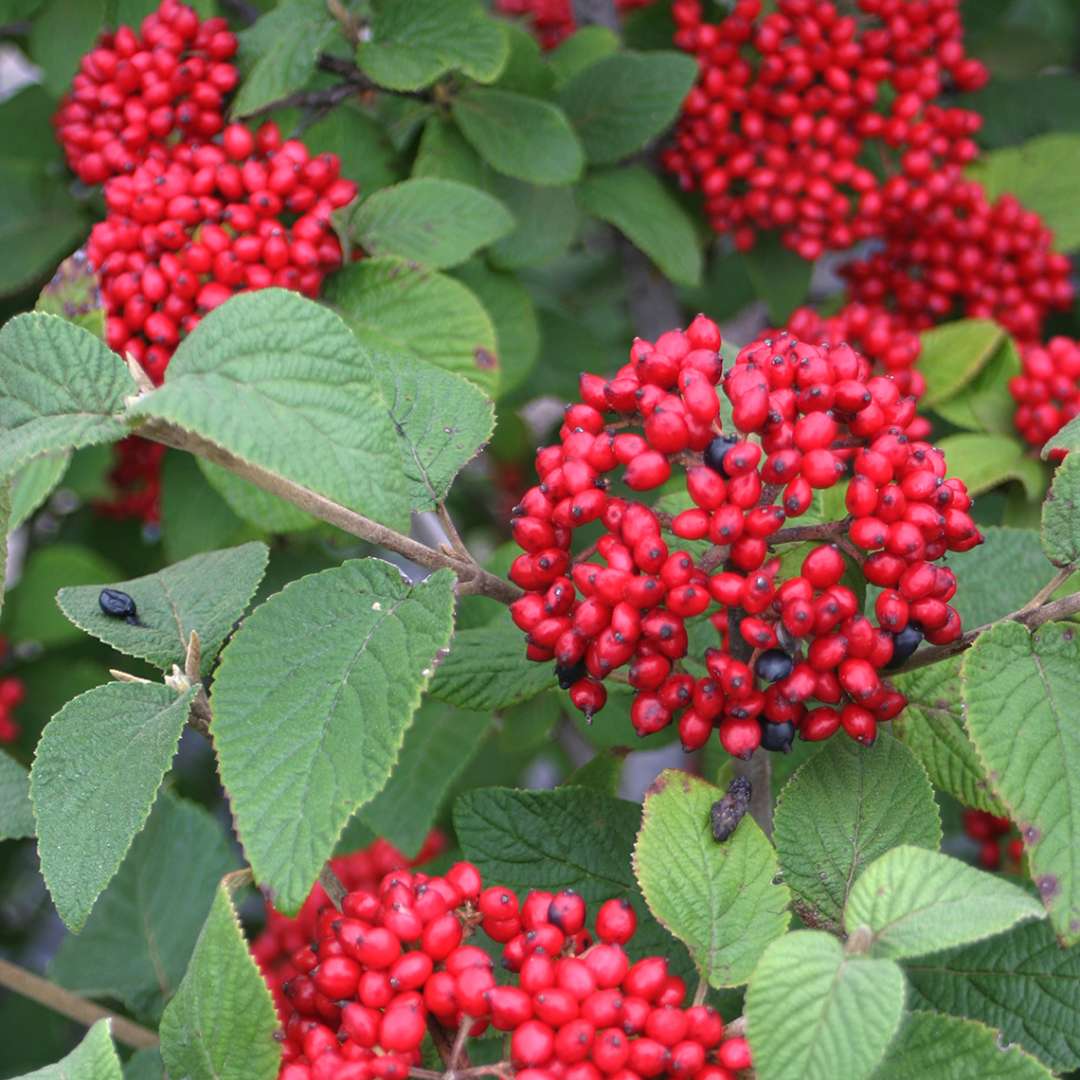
779, 276
61, 33
1061, 515
16, 813
580, 50
366, 153
93, 1059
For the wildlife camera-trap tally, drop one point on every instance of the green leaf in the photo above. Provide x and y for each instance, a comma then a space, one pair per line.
984, 461
953, 354
948, 1048
442, 423
580, 50
438, 747
252, 504
525, 71
570, 838
194, 517
96, 772
517, 332
444, 154
1021, 982
33, 485
1020, 691
33, 615
279, 381
436, 222
813, 1013
60, 388
279, 50
932, 727
1068, 438
16, 813
985, 404
27, 142
206, 593
486, 669
93, 1059
40, 223
916, 902
73, 294
520, 136
621, 102
5, 519
136, 945
602, 772
367, 155
328, 671
547, 220
413, 44
779, 277
1061, 515
862, 801
400, 312
637, 204
60, 35
720, 900
1039, 175
145, 1065
1017, 109
221, 1024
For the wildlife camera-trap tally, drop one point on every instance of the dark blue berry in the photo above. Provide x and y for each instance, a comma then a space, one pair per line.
568, 674
717, 450
773, 665
118, 605
904, 644
777, 736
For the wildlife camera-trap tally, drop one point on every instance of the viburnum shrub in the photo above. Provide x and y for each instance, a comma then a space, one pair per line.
387, 536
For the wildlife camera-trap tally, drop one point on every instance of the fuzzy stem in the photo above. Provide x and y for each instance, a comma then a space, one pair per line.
332, 885
73, 1006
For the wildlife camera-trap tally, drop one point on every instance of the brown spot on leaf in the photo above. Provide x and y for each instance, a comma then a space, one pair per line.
486, 360
1031, 835
1048, 885
658, 785
1067, 635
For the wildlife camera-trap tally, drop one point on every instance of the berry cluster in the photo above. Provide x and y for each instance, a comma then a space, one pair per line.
803, 419
787, 106
196, 210
194, 224
397, 959
992, 835
283, 936
1047, 391
552, 21
133, 91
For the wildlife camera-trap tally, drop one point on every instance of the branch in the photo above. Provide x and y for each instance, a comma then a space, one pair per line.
1031, 617
73, 1006
332, 886
758, 770
826, 530
472, 579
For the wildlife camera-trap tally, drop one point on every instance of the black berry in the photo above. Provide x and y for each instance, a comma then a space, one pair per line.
118, 605
717, 450
904, 644
568, 674
773, 665
777, 736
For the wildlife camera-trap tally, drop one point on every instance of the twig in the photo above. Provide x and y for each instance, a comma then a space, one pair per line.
447, 522
459, 1042
825, 530
73, 1006
332, 885
317, 101
472, 579
1032, 618
445, 1047
350, 25
701, 991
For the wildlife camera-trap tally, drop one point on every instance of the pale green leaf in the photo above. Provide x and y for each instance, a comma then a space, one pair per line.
583, 48
916, 902
570, 838
437, 222
861, 801
414, 44
638, 205
33, 614
279, 50
1039, 174
93, 1059
34, 483
311, 703
520, 136
486, 669
1020, 692
399, 312
95, 776
1061, 515
206, 593
720, 900
948, 1048
985, 403
279, 381
813, 1013
443, 153
952, 355
1021, 982
621, 102
437, 748
136, 945
16, 813
221, 1024
984, 461
252, 504
60, 388
932, 727
442, 423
